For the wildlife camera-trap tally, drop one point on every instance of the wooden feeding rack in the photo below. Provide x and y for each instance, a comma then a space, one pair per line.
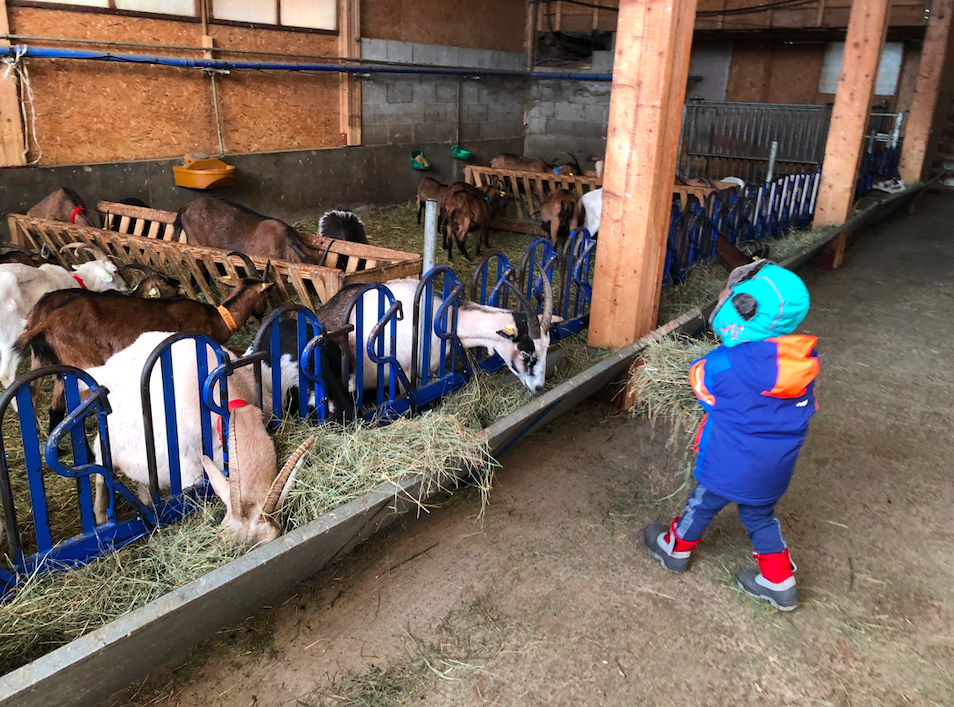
530, 184
700, 191
196, 267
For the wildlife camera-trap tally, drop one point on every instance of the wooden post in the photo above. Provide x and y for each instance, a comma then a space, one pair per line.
927, 90
649, 88
867, 25
349, 47
11, 125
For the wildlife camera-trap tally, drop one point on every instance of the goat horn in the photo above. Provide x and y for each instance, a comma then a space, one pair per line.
235, 488
271, 505
533, 322
93, 250
252, 271
546, 317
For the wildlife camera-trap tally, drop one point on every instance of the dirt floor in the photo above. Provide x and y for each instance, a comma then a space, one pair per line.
554, 601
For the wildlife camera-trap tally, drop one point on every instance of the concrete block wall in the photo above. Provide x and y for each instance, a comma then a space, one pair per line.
569, 115
422, 110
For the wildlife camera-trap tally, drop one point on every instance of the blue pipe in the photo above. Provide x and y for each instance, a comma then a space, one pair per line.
189, 63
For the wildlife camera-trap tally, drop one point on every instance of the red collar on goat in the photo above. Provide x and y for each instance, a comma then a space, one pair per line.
227, 318
233, 404
80, 281
76, 212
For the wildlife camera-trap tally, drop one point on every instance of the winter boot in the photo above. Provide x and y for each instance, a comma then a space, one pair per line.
667, 547
774, 583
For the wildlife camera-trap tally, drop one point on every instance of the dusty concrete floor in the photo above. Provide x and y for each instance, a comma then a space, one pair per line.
555, 602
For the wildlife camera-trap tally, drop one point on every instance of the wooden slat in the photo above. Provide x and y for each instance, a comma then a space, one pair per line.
11, 125
124, 224
153, 229
928, 92
867, 25
649, 83
143, 212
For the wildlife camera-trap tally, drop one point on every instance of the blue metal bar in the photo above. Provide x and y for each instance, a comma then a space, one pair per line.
30, 52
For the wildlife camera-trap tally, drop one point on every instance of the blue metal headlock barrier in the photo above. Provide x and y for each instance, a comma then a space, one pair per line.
42, 551
435, 334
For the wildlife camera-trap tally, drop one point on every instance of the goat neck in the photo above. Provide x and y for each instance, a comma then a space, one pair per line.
250, 298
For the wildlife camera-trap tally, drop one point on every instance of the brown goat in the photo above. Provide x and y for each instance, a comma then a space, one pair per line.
85, 329
559, 215
62, 205
730, 257
429, 188
464, 212
521, 164
218, 223
16, 254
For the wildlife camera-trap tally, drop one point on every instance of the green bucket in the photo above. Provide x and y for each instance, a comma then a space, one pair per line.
419, 161
457, 152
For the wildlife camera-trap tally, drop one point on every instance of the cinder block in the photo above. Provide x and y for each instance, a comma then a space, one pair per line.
470, 91
473, 58
536, 124
400, 51
602, 62
374, 134
374, 91
475, 113
584, 129
445, 91
425, 92
568, 111
446, 56
594, 113
442, 132
400, 133
374, 49
400, 91
559, 127
423, 53
439, 113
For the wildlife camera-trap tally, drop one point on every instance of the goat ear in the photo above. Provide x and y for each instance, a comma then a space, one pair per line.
266, 285
220, 483
228, 281
508, 332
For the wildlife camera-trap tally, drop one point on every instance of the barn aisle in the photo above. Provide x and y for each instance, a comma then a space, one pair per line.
553, 600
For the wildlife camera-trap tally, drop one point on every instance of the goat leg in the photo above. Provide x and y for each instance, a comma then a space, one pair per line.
100, 502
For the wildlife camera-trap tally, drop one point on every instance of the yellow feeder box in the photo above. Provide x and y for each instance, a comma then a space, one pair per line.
204, 173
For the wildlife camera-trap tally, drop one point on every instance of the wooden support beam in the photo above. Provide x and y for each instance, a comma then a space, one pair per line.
867, 25
349, 46
11, 124
649, 88
927, 91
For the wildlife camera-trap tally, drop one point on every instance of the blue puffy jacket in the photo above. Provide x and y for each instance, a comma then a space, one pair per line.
758, 397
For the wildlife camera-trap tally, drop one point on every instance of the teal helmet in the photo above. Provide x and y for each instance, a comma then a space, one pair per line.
760, 300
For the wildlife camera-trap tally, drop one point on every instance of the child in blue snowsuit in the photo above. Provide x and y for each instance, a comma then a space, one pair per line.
758, 393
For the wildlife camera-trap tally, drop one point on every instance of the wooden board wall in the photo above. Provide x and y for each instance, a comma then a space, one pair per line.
777, 72
99, 112
477, 24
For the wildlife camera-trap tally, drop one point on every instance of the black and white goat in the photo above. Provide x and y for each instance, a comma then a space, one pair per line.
254, 492
340, 405
343, 225
521, 338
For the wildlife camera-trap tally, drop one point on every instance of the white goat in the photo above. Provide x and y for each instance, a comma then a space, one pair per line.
520, 338
31, 284
592, 205
254, 492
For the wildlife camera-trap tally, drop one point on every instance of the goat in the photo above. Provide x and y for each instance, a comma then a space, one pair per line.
520, 164
218, 223
32, 284
343, 225
591, 208
154, 284
62, 205
463, 213
429, 188
254, 492
520, 338
16, 254
558, 215
87, 329
730, 257
341, 406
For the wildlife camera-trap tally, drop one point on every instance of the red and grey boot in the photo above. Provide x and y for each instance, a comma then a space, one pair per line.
667, 547
774, 583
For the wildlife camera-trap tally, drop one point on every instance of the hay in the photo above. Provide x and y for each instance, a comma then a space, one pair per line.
348, 462
50, 610
661, 383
